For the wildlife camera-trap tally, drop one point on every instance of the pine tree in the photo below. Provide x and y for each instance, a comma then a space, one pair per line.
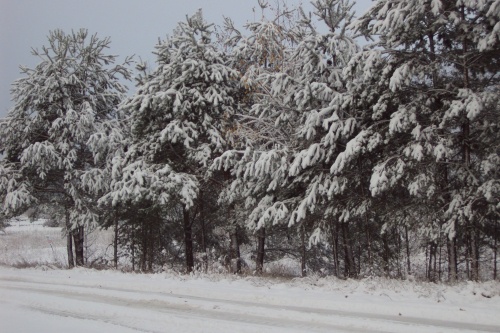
58, 106
257, 158
325, 123
436, 68
179, 116
293, 72
108, 146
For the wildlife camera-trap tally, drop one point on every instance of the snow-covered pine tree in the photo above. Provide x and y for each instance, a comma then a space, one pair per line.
257, 160
179, 117
281, 163
108, 145
125, 212
325, 122
436, 65
57, 107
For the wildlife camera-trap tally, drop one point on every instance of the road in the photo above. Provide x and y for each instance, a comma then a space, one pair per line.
34, 304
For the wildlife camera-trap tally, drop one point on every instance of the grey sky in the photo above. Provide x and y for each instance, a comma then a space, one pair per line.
133, 25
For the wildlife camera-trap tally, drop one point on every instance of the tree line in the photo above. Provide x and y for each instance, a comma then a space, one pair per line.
290, 138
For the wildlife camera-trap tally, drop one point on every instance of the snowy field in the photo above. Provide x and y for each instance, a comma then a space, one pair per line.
44, 299
27, 244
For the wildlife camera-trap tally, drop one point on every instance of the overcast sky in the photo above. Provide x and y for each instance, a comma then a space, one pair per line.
133, 25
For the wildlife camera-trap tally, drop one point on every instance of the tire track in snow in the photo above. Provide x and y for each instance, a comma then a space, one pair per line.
181, 309
104, 319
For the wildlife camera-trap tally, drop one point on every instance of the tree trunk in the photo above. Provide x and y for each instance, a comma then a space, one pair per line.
426, 258
466, 148
144, 245
369, 247
386, 254
69, 241
450, 238
188, 240
115, 242
432, 262
335, 248
467, 256
203, 234
358, 266
235, 251
303, 250
440, 257
495, 250
204, 244
349, 266
69, 247
429, 264
398, 253
435, 262
79, 239
408, 263
151, 245
203, 230
261, 242
132, 248
452, 259
474, 237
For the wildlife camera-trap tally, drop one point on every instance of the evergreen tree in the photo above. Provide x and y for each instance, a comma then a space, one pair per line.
58, 106
436, 65
294, 73
257, 158
325, 123
179, 116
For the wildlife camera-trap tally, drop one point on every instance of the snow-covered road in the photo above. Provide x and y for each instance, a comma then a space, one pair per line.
87, 301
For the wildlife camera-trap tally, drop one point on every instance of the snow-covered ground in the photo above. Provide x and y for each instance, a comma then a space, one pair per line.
84, 300
44, 299
26, 244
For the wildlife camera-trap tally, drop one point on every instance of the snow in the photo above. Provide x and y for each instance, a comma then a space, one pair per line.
25, 244
86, 300
43, 299
25, 320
